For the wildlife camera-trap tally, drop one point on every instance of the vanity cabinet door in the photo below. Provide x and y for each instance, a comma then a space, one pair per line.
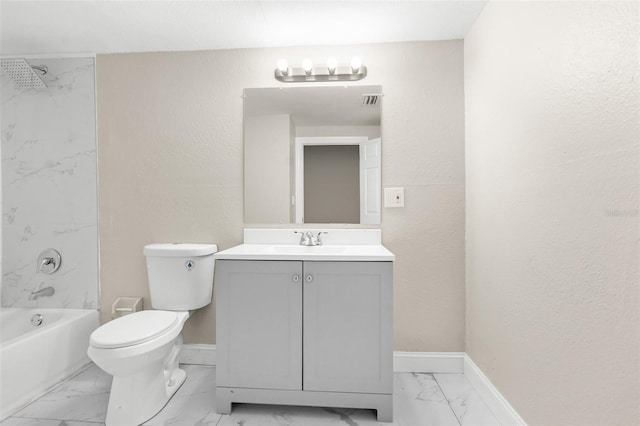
259, 324
348, 309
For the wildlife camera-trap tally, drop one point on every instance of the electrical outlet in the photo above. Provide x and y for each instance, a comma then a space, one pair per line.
394, 197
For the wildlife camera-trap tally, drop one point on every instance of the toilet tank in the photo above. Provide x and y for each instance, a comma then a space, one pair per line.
180, 275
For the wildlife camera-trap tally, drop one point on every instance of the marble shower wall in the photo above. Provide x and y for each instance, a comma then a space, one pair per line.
49, 196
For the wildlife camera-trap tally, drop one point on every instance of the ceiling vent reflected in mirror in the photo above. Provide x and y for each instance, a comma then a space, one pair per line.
370, 100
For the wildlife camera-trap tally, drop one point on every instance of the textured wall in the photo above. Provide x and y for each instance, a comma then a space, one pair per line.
267, 192
552, 208
49, 185
1, 226
171, 168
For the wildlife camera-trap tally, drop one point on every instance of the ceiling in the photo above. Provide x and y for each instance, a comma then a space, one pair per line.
55, 27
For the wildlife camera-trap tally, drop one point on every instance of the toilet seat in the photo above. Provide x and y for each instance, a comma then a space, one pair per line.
133, 329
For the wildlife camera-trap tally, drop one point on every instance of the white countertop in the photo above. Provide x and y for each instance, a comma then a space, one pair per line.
328, 252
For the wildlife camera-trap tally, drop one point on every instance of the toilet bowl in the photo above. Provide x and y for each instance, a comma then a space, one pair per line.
141, 350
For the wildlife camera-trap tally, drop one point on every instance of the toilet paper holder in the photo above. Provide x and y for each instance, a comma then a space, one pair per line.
125, 305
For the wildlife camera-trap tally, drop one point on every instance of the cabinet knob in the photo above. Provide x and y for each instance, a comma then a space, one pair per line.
309, 278
296, 278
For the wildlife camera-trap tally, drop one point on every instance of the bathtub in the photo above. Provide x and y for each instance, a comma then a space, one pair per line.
35, 358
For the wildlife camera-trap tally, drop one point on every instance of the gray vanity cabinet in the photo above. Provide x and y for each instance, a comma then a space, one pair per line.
259, 324
347, 327
304, 333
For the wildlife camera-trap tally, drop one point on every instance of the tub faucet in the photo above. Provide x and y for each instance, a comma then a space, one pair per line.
46, 261
46, 291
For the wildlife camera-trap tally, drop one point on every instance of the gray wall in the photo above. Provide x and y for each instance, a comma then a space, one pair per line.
171, 169
552, 208
49, 185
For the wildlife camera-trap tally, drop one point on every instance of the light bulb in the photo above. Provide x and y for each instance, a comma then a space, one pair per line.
331, 65
356, 63
283, 67
307, 66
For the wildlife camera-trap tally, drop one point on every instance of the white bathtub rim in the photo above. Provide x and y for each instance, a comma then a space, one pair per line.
65, 364
68, 315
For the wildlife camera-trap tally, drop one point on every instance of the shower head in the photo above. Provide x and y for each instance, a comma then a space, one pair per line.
22, 73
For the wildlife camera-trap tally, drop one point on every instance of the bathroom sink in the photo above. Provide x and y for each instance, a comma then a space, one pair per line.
297, 249
335, 252
346, 245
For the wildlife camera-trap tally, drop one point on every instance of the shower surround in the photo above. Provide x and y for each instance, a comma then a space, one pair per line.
49, 197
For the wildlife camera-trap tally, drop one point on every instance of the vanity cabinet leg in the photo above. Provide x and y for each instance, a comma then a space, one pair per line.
385, 411
223, 402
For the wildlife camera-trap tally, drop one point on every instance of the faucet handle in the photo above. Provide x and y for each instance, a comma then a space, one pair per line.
319, 239
48, 261
304, 237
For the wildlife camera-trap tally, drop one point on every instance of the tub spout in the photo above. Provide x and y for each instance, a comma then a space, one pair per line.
46, 291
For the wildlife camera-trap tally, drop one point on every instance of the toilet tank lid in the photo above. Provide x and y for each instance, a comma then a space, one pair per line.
179, 249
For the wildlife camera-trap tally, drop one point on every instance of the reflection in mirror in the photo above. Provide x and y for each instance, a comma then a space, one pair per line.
312, 155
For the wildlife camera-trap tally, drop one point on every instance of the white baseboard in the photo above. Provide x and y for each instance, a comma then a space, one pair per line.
408, 362
403, 362
198, 354
498, 405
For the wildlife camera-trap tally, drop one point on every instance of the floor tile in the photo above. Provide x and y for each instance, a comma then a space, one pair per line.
284, 415
465, 401
23, 421
82, 398
418, 400
194, 403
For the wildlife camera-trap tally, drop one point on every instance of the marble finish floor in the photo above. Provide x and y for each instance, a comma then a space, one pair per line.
419, 399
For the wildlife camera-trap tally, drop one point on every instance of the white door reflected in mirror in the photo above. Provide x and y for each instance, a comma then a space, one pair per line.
337, 180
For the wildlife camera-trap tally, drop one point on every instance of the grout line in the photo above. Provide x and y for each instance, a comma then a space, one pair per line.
445, 397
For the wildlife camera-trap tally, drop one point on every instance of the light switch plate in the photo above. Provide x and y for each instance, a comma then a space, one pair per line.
394, 197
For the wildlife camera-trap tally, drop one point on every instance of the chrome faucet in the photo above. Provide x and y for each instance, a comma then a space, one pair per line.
48, 261
307, 238
46, 291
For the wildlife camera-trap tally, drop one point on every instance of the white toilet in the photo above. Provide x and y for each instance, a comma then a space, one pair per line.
141, 350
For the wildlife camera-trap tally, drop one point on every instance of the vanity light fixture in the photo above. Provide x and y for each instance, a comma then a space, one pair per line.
307, 66
332, 72
356, 63
283, 67
332, 63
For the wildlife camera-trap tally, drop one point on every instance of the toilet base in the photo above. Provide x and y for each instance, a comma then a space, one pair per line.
137, 398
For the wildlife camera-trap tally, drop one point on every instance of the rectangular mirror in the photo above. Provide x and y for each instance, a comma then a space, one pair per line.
312, 155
